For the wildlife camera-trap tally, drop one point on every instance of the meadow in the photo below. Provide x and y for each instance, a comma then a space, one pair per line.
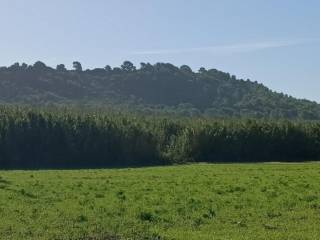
197, 201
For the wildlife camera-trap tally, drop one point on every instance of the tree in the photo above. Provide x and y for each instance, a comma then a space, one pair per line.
202, 70
108, 69
128, 66
61, 68
97, 71
146, 67
24, 66
14, 67
39, 66
116, 70
186, 69
77, 66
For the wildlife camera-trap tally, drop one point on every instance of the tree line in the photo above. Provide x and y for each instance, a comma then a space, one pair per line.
65, 138
159, 88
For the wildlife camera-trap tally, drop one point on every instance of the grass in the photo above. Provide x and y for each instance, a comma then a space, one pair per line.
236, 201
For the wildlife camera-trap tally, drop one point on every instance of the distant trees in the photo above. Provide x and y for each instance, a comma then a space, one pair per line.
108, 69
39, 65
186, 69
117, 70
77, 66
14, 67
24, 66
202, 70
61, 68
158, 88
128, 66
146, 67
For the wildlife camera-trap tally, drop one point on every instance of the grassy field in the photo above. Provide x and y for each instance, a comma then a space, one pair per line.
236, 201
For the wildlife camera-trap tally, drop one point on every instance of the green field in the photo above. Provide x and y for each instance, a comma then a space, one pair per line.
236, 201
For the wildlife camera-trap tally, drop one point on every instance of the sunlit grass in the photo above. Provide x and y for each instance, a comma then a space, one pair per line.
240, 201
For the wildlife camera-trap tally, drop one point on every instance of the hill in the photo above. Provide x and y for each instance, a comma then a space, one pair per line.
161, 87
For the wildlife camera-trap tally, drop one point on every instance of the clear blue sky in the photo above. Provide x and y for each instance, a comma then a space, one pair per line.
274, 42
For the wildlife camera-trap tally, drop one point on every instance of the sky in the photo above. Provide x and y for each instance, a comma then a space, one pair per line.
274, 42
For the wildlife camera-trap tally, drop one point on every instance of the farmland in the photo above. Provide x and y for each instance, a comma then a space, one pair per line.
64, 138
197, 201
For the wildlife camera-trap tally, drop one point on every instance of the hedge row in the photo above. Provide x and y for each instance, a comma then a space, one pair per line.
32, 138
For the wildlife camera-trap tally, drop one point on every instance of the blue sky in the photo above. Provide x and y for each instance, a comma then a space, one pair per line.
273, 42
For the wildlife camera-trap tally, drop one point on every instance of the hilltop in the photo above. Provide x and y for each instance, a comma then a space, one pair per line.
161, 87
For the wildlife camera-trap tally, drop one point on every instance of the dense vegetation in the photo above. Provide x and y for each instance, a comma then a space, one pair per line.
69, 139
238, 202
155, 88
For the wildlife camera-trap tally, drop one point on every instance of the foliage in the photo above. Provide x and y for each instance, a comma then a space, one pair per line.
161, 87
66, 138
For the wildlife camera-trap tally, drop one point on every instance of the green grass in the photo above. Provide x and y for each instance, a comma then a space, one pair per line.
236, 201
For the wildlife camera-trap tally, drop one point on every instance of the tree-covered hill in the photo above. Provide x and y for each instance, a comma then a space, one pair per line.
161, 87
